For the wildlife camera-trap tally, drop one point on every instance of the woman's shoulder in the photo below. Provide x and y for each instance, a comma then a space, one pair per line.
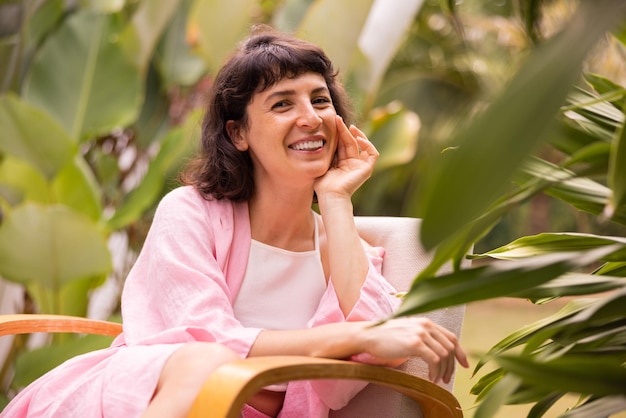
187, 201
190, 196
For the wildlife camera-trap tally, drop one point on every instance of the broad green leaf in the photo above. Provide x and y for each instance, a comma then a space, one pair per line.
146, 27
153, 121
500, 278
220, 26
394, 131
76, 187
289, 14
52, 246
103, 6
177, 64
514, 125
31, 134
21, 182
179, 143
587, 374
547, 243
99, 86
71, 298
339, 40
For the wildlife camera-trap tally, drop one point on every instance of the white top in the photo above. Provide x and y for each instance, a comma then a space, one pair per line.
281, 289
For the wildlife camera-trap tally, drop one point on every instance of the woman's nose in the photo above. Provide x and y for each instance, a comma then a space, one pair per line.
308, 117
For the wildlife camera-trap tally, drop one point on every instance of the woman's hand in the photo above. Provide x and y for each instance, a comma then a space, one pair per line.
354, 162
396, 340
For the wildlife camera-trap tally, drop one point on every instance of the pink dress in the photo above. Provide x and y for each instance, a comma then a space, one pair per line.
182, 289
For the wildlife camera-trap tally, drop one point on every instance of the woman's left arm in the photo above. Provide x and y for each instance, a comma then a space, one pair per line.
348, 262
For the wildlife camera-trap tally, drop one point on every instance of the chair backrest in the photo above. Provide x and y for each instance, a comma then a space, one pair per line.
405, 257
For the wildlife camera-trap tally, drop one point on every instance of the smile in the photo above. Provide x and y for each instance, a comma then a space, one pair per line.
308, 145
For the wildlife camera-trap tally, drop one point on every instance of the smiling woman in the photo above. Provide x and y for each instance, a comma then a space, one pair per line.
237, 264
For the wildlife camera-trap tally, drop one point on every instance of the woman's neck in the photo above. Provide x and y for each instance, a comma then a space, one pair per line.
282, 220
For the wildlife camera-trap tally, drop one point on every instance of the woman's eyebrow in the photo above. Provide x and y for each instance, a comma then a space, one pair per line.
291, 92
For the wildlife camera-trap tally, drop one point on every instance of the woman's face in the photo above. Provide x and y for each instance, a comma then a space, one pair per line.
291, 133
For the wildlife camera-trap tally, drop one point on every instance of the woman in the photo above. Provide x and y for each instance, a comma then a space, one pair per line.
237, 264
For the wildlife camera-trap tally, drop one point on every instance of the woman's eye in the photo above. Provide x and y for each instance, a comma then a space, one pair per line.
281, 104
321, 100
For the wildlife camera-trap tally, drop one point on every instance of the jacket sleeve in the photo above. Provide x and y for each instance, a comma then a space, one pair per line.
177, 290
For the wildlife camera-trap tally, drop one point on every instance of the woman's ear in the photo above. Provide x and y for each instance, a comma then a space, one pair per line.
234, 132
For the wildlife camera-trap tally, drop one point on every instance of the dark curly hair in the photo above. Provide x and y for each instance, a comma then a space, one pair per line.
219, 170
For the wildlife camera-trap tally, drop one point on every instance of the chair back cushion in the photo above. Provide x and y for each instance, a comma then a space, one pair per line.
404, 258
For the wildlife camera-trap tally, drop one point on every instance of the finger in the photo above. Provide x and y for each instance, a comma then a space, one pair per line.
347, 145
461, 356
366, 147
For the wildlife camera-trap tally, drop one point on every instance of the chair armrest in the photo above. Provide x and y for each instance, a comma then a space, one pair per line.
231, 385
28, 323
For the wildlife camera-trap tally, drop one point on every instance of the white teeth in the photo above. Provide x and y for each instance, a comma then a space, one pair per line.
308, 145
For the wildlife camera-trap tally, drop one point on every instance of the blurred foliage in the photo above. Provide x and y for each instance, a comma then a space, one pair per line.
498, 122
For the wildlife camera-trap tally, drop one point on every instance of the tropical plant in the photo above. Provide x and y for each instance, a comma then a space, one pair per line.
491, 167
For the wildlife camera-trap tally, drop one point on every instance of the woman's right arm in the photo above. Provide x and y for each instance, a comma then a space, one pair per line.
390, 343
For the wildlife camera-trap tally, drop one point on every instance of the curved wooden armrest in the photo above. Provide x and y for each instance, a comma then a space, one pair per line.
232, 384
28, 323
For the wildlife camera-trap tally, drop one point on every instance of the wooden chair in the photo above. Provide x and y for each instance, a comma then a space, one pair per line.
228, 388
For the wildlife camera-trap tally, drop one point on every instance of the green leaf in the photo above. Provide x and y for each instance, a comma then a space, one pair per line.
603, 407
147, 25
617, 168
595, 155
177, 63
596, 109
499, 140
220, 27
525, 333
572, 284
612, 269
32, 135
605, 86
586, 374
99, 85
179, 143
580, 192
547, 243
51, 246
20, 181
497, 396
500, 278
339, 40
394, 132
77, 188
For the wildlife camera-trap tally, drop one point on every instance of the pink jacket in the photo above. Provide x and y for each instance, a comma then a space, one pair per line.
181, 289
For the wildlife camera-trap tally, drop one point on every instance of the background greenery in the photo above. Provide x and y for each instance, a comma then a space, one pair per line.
499, 122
